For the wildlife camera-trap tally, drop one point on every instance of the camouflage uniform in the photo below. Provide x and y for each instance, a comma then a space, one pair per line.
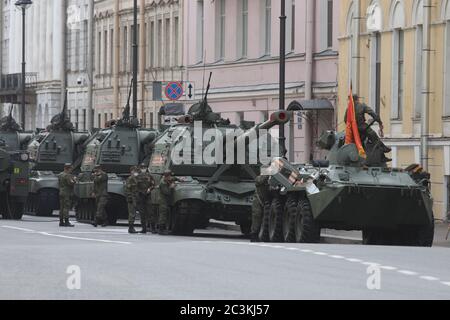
261, 195
101, 195
165, 197
130, 193
361, 110
66, 185
144, 183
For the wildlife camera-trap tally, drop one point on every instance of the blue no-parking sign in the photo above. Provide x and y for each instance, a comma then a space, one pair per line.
174, 91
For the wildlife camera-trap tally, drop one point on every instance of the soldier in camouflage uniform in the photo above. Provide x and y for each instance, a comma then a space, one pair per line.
166, 189
101, 196
66, 184
130, 193
145, 185
261, 195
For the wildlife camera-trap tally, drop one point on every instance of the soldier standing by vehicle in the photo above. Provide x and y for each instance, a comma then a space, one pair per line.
261, 193
145, 185
101, 195
166, 189
130, 193
66, 184
361, 109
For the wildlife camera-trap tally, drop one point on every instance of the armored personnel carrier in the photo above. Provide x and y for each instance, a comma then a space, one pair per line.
116, 149
390, 206
221, 190
14, 168
49, 151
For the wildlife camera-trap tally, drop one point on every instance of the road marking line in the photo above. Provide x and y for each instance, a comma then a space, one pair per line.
320, 253
306, 251
370, 263
292, 249
354, 260
335, 256
389, 268
65, 237
407, 272
16, 228
446, 283
429, 278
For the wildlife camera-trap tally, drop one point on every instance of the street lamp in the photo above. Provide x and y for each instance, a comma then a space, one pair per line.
23, 5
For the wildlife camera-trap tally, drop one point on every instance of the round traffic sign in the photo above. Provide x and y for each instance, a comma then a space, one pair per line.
174, 91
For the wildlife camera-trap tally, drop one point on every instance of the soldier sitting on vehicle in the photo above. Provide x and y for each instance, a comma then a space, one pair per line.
66, 184
166, 189
100, 194
361, 109
130, 193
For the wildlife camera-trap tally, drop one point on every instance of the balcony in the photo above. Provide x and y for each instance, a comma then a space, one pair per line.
11, 88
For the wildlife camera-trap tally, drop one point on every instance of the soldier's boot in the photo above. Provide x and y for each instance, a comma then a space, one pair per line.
96, 223
61, 222
68, 224
131, 229
144, 229
162, 230
254, 237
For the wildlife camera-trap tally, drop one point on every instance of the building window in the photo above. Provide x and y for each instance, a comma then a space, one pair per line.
176, 53
398, 75
99, 53
111, 51
160, 49
125, 49
268, 27
293, 27
446, 110
330, 23
84, 120
152, 44
106, 119
418, 73
220, 35
244, 43
99, 120
378, 75
105, 52
76, 119
200, 30
167, 43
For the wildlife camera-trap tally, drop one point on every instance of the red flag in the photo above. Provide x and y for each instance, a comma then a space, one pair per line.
351, 131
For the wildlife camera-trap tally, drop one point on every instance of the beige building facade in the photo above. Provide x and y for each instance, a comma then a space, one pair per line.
383, 53
160, 56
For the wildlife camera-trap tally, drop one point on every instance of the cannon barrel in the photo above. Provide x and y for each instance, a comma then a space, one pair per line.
276, 119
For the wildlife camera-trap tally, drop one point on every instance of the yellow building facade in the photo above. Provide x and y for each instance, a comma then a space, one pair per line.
381, 47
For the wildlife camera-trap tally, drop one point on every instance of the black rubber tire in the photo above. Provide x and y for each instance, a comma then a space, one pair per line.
264, 231
246, 228
306, 230
426, 235
276, 214
290, 216
47, 200
183, 217
17, 210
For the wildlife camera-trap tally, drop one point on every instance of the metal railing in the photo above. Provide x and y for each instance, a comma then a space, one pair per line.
13, 82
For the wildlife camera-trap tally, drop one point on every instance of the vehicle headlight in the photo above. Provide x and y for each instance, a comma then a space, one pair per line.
24, 157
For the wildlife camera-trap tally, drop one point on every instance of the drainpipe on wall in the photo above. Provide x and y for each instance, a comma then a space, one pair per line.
142, 57
116, 89
426, 83
310, 12
63, 72
90, 66
355, 54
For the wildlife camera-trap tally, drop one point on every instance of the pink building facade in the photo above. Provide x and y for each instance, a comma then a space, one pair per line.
238, 41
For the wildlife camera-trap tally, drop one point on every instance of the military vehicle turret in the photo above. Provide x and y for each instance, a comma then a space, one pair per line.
347, 192
116, 149
14, 168
49, 151
220, 189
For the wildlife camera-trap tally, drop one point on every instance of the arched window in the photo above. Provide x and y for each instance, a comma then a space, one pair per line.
352, 49
374, 26
397, 24
418, 25
446, 18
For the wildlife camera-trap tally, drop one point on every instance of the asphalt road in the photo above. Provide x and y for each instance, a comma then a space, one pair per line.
107, 263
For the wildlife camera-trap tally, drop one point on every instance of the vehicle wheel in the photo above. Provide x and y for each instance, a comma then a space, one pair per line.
290, 215
276, 221
264, 231
16, 210
47, 201
426, 235
306, 230
182, 219
246, 228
